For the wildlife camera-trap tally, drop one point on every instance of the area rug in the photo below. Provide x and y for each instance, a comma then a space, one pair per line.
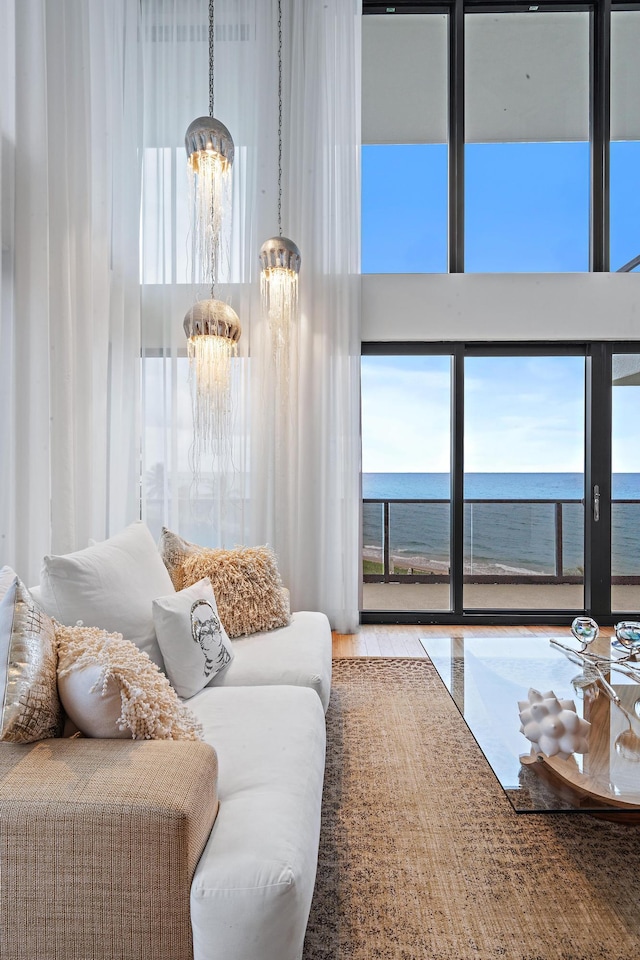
422, 856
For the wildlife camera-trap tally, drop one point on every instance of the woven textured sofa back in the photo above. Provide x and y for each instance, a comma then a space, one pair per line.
99, 840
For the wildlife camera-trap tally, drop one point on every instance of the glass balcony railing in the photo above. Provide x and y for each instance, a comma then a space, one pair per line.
509, 541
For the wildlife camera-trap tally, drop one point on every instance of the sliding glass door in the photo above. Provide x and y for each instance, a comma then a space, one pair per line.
406, 482
524, 482
501, 483
625, 484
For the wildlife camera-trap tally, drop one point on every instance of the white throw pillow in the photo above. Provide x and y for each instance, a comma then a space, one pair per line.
194, 643
110, 585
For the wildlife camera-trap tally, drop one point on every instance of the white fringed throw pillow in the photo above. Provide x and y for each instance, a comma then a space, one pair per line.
109, 688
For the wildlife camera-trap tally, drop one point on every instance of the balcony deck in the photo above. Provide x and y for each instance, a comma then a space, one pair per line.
494, 596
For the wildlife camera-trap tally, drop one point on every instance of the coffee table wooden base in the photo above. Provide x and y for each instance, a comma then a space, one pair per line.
576, 789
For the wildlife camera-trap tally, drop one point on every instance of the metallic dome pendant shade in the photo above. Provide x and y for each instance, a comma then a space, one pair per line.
280, 265
213, 330
210, 152
279, 257
206, 136
209, 164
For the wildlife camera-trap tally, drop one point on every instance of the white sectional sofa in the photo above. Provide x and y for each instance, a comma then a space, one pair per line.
237, 879
252, 889
298, 655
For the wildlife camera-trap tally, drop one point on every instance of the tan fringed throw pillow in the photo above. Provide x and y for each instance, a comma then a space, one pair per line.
246, 582
109, 688
174, 550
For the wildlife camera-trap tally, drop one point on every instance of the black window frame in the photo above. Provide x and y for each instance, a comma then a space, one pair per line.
597, 471
599, 107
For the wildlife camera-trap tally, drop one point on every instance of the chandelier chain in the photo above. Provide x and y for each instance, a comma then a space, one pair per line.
211, 55
211, 90
279, 117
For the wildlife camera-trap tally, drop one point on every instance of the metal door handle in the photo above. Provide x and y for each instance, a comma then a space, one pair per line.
596, 503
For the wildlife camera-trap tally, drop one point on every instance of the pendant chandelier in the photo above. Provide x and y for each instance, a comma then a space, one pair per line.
212, 327
213, 330
210, 153
279, 257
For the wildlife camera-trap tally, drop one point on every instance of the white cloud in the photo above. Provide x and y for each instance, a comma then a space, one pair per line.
406, 419
521, 414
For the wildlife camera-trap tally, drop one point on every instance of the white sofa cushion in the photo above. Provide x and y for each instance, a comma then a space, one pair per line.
252, 889
36, 594
299, 654
194, 644
110, 585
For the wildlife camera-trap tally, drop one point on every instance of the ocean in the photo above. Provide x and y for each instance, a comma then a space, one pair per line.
501, 538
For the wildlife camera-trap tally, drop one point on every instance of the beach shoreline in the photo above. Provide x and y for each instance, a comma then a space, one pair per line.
422, 565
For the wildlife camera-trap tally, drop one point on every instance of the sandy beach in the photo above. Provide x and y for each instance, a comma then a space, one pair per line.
420, 564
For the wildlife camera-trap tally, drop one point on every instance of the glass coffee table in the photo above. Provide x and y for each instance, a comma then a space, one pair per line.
487, 678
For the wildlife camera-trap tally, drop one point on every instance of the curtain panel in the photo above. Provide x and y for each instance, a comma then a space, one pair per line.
96, 279
70, 341
291, 475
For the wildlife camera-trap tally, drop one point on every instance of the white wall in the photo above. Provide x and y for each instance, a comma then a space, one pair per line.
461, 306
491, 306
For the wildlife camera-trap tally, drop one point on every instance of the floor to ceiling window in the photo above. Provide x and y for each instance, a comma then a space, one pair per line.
508, 444
527, 147
406, 458
503, 142
625, 138
404, 154
625, 484
524, 481
500, 140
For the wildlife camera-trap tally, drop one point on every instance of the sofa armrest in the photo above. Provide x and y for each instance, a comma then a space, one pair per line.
99, 840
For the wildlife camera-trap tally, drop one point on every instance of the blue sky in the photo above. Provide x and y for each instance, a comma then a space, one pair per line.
526, 207
526, 210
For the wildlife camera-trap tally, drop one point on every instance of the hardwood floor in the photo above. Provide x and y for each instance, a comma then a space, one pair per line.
401, 640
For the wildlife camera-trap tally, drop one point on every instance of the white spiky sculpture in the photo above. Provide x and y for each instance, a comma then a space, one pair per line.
552, 725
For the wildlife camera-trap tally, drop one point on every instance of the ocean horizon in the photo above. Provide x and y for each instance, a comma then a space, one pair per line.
492, 486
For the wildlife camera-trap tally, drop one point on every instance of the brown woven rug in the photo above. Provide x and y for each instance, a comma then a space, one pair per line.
421, 854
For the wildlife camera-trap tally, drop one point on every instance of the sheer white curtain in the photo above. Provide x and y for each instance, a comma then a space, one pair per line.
69, 351
293, 477
314, 454
174, 39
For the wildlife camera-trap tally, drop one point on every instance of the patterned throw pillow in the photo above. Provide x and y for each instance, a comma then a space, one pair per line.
193, 641
109, 688
245, 581
30, 709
